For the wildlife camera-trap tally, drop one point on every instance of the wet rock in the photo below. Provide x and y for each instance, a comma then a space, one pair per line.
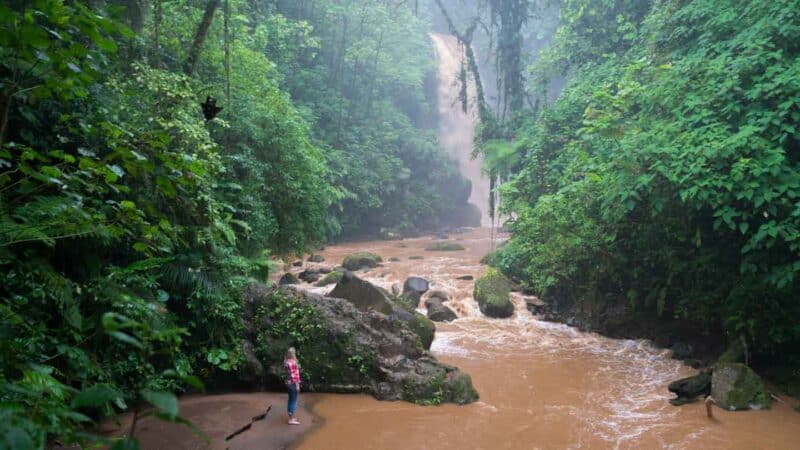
330, 278
414, 287
362, 294
444, 247
492, 294
424, 328
310, 275
441, 236
361, 260
735, 353
535, 305
440, 294
688, 389
438, 312
416, 257
465, 278
394, 259
316, 259
297, 263
288, 278
388, 234
734, 386
367, 351
396, 289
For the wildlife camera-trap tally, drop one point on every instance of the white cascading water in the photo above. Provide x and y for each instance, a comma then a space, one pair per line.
456, 128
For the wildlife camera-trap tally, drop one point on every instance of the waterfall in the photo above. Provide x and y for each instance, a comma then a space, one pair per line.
457, 129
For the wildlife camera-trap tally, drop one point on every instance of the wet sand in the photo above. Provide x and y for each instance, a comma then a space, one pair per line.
217, 416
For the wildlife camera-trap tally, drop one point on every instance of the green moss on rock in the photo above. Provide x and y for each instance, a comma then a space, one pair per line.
444, 247
424, 328
734, 386
492, 292
331, 278
360, 260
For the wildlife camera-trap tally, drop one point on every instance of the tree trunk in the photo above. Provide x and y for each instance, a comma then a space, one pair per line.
200, 36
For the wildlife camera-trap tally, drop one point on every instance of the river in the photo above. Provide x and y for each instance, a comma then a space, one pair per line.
542, 385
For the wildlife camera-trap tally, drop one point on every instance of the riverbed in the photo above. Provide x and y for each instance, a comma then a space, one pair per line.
542, 384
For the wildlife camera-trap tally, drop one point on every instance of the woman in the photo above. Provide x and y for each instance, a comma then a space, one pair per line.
293, 383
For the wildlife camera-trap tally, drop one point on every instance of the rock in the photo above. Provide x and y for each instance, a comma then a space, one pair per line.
492, 294
535, 305
316, 259
688, 389
441, 236
396, 289
734, 386
362, 294
440, 294
414, 287
324, 269
465, 278
682, 350
330, 278
365, 351
437, 312
361, 260
394, 259
444, 247
252, 370
416, 257
297, 263
288, 278
310, 275
424, 328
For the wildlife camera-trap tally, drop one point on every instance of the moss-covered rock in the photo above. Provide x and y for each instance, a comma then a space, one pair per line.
331, 278
416, 257
444, 247
492, 292
288, 278
734, 353
439, 384
361, 260
734, 386
424, 328
343, 349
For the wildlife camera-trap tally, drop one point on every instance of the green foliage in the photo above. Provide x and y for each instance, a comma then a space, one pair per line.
665, 175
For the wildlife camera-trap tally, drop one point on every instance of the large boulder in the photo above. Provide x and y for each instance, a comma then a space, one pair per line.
367, 297
734, 386
316, 258
345, 349
414, 287
361, 260
363, 294
688, 389
437, 312
492, 292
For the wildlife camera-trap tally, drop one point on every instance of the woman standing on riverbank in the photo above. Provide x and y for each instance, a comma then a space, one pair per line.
293, 383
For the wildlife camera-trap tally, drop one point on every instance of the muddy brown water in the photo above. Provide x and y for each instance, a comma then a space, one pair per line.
542, 385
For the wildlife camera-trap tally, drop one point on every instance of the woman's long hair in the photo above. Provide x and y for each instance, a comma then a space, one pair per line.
291, 354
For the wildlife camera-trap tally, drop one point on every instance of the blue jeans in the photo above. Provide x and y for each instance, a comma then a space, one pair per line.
291, 407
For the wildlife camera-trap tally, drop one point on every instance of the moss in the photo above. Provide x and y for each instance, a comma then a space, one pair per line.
361, 259
444, 247
416, 257
331, 278
492, 293
425, 391
735, 386
424, 328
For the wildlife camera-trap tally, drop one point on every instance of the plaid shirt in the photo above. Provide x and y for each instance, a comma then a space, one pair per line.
292, 371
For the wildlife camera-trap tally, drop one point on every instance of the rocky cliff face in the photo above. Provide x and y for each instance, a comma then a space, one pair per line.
344, 348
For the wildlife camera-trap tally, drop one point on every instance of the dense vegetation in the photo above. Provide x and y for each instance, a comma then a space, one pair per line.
666, 175
129, 224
